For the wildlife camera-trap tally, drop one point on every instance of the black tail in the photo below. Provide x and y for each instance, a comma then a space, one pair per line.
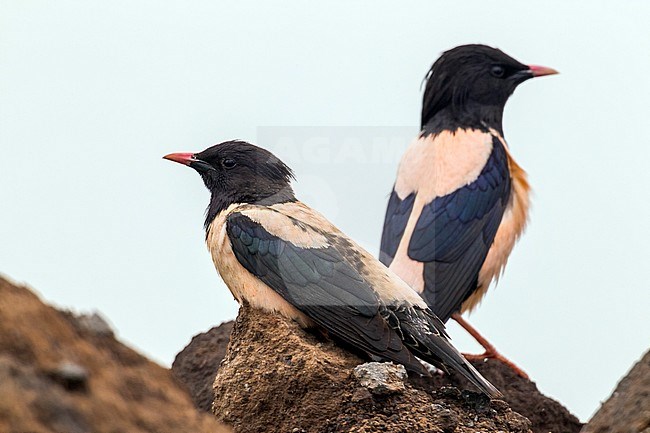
425, 335
451, 357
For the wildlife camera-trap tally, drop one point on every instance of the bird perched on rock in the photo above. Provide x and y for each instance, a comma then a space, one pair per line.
277, 254
460, 201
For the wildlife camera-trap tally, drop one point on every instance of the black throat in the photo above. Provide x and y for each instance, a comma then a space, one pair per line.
470, 116
220, 202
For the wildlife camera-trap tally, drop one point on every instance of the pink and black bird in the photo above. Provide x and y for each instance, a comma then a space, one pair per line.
460, 201
277, 254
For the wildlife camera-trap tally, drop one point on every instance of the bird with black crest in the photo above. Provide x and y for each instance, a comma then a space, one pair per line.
278, 255
460, 201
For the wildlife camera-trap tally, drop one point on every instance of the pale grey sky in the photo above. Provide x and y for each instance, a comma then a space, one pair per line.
92, 94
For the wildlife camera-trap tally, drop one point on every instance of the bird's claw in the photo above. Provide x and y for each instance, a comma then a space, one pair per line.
496, 355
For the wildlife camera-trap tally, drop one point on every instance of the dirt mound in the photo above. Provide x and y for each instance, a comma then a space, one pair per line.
69, 374
545, 414
277, 377
628, 408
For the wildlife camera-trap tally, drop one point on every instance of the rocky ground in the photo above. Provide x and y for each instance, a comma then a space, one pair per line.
61, 373
628, 409
273, 366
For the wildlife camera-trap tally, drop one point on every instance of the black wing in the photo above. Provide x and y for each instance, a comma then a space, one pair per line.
397, 215
323, 285
454, 233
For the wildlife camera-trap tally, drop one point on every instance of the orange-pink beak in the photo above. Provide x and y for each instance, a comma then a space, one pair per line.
181, 158
540, 71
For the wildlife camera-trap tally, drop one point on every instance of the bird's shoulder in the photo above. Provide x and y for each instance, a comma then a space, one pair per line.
437, 164
292, 222
304, 229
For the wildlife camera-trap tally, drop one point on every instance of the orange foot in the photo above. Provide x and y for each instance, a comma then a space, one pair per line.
496, 355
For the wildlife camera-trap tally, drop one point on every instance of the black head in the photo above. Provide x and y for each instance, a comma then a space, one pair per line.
239, 172
468, 86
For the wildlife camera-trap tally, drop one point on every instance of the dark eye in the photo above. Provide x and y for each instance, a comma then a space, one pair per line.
229, 163
498, 71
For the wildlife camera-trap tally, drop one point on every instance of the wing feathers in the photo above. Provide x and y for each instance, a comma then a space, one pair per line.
397, 216
454, 233
320, 283
327, 285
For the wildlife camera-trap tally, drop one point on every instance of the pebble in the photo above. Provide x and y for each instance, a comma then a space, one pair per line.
381, 377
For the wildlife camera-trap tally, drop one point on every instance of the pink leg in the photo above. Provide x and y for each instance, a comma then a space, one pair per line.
490, 350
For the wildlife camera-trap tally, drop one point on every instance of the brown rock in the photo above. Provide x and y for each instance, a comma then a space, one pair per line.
381, 378
277, 377
628, 408
197, 364
545, 414
56, 374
